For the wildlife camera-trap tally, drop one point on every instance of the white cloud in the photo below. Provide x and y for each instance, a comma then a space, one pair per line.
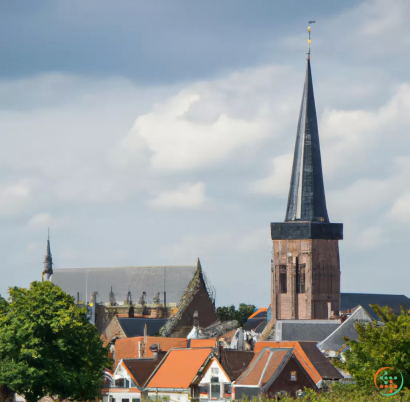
190, 247
254, 240
278, 182
370, 237
33, 247
186, 196
41, 221
13, 198
45, 220
207, 123
400, 211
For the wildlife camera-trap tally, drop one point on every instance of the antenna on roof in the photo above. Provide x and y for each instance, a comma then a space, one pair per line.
309, 40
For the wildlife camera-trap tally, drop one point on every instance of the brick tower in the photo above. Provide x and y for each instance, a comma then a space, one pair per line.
305, 264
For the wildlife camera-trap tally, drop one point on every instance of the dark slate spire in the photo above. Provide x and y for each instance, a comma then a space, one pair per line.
306, 200
48, 262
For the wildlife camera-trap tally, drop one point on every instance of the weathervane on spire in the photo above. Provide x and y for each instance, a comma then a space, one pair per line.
310, 22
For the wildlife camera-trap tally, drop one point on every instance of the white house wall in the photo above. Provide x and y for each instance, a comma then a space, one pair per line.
222, 378
173, 396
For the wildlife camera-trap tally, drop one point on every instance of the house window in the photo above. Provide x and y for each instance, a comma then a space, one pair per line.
227, 391
119, 382
136, 400
293, 376
300, 278
215, 391
204, 390
283, 278
214, 371
125, 400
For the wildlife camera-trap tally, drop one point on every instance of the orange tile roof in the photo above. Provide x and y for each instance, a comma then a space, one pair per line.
179, 368
299, 353
261, 310
228, 335
128, 348
203, 343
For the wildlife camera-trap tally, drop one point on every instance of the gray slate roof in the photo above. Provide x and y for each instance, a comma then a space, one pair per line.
135, 326
349, 301
152, 280
306, 200
304, 330
335, 341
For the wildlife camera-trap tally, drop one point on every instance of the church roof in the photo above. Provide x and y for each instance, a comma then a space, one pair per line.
304, 330
173, 279
306, 200
349, 301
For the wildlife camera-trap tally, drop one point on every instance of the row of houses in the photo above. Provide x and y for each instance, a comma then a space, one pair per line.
248, 361
203, 369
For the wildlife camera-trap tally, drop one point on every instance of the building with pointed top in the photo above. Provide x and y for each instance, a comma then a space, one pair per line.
169, 296
48, 263
305, 264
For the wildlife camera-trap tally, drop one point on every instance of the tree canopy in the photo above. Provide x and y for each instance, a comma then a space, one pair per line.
380, 346
47, 345
230, 313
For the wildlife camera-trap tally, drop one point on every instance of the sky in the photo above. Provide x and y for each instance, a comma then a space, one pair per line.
154, 133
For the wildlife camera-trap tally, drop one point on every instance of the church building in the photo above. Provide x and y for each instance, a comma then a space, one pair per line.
305, 264
122, 301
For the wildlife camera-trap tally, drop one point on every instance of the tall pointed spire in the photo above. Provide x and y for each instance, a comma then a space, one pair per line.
306, 200
48, 261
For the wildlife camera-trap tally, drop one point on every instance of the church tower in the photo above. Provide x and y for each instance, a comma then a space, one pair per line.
305, 263
48, 263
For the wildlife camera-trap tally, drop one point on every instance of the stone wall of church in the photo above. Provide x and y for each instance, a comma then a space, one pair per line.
202, 303
316, 264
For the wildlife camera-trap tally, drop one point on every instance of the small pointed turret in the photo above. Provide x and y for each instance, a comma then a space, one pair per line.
48, 262
307, 200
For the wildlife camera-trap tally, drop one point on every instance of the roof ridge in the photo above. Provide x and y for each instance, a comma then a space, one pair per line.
130, 266
281, 366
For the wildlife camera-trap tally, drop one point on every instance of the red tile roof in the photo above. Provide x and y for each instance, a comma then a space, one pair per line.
229, 335
299, 353
179, 368
128, 348
263, 366
203, 343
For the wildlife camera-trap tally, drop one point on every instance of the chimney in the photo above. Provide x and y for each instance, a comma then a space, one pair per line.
240, 339
155, 349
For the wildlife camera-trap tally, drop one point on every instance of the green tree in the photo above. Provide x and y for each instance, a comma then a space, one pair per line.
240, 315
226, 313
48, 347
379, 346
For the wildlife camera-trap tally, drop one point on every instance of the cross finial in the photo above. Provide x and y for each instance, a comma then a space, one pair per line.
309, 40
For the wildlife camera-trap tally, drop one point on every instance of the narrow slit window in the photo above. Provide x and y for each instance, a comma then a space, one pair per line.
283, 278
300, 279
